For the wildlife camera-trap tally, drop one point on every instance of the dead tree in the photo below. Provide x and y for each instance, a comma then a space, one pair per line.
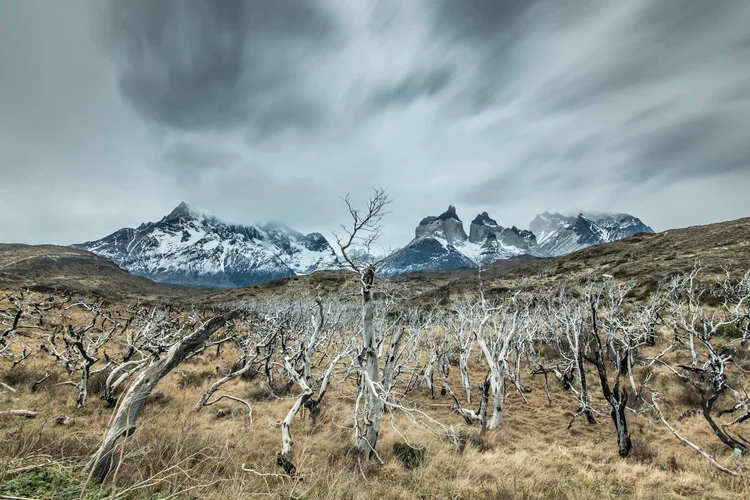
77, 348
567, 315
712, 372
253, 350
134, 400
23, 316
365, 228
495, 328
621, 333
308, 349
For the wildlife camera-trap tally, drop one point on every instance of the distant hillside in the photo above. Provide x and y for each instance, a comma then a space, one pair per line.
646, 257
50, 267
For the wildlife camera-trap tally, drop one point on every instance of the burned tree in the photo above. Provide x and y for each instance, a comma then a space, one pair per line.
77, 347
620, 333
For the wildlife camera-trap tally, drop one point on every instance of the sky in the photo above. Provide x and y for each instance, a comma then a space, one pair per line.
113, 112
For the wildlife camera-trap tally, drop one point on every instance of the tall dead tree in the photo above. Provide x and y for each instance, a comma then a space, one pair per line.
364, 229
133, 402
620, 333
495, 327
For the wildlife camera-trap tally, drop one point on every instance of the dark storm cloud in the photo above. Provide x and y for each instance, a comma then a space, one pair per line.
218, 64
664, 82
186, 161
493, 32
113, 111
661, 40
496, 21
411, 88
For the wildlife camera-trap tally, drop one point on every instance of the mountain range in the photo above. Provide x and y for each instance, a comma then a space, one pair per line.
191, 247
440, 242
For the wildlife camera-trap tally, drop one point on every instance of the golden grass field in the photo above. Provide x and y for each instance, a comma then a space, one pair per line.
177, 453
532, 455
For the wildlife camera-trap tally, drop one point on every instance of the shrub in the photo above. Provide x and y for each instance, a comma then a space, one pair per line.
642, 452
411, 456
21, 376
47, 483
729, 332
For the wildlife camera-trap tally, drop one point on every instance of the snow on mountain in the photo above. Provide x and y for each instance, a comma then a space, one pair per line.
558, 234
192, 247
434, 247
440, 242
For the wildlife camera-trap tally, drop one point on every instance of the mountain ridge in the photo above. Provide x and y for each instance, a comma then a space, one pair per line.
189, 246
440, 242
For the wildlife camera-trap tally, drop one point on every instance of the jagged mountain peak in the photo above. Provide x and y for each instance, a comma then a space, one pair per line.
190, 246
484, 219
447, 215
187, 210
558, 234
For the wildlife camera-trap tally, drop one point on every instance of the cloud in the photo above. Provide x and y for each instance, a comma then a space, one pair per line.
113, 112
410, 88
218, 64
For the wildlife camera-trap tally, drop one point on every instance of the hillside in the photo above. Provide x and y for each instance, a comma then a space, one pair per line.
644, 257
50, 267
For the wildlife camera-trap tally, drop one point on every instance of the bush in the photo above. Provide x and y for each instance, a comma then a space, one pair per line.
642, 452
410, 456
729, 332
47, 483
21, 376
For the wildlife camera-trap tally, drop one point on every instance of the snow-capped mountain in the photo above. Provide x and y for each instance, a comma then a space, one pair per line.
434, 247
191, 247
440, 242
488, 241
558, 234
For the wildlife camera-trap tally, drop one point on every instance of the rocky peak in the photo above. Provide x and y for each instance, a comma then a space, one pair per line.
182, 210
482, 227
448, 214
484, 219
446, 225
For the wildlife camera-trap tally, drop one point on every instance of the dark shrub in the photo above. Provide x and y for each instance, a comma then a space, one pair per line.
410, 456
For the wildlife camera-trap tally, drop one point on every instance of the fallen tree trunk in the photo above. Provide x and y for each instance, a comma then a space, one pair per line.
20, 413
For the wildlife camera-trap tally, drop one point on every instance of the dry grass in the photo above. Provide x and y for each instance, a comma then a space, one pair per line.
532, 455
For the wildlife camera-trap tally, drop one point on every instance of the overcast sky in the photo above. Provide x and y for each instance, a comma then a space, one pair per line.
111, 113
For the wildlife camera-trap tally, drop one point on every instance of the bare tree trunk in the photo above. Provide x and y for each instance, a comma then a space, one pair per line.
390, 365
463, 362
117, 377
485, 395
498, 393
83, 391
133, 402
585, 399
369, 359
